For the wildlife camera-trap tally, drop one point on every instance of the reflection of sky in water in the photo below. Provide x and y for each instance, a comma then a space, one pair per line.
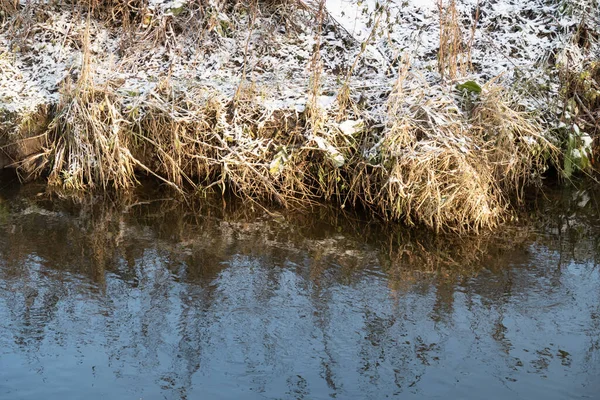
238, 313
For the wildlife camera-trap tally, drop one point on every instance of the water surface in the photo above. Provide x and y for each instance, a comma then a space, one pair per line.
145, 298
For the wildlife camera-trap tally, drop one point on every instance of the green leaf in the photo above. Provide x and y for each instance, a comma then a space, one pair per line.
469, 86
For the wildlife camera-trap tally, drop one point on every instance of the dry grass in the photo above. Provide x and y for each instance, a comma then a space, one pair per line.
432, 161
453, 53
193, 141
436, 174
9, 6
91, 144
513, 140
435, 165
448, 169
438, 185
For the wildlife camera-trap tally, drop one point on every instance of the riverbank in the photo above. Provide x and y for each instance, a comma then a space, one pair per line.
233, 97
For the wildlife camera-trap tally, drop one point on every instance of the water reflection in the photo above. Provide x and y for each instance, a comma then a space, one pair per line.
149, 299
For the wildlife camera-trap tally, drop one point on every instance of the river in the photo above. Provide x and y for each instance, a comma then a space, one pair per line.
143, 297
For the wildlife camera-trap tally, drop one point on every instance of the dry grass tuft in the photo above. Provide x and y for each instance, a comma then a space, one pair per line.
198, 138
513, 140
440, 186
427, 157
91, 144
453, 53
435, 174
448, 169
9, 6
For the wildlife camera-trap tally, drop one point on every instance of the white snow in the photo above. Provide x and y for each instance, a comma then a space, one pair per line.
512, 37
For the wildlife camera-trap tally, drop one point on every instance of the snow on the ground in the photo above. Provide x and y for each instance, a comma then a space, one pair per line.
511, 36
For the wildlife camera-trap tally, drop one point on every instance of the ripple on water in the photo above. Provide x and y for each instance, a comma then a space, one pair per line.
149, 304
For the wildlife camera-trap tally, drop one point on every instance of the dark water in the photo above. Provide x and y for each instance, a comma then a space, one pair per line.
149, 299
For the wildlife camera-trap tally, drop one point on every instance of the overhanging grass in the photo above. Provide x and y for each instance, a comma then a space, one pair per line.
429, 154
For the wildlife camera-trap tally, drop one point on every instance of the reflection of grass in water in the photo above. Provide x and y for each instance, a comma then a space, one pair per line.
94, 236
4, 211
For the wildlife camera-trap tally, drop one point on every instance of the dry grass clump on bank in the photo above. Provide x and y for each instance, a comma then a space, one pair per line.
451, 169
434, 164
513, 140
90, 145
210, 111
435, 174
193, 138
199, 138
438, 185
